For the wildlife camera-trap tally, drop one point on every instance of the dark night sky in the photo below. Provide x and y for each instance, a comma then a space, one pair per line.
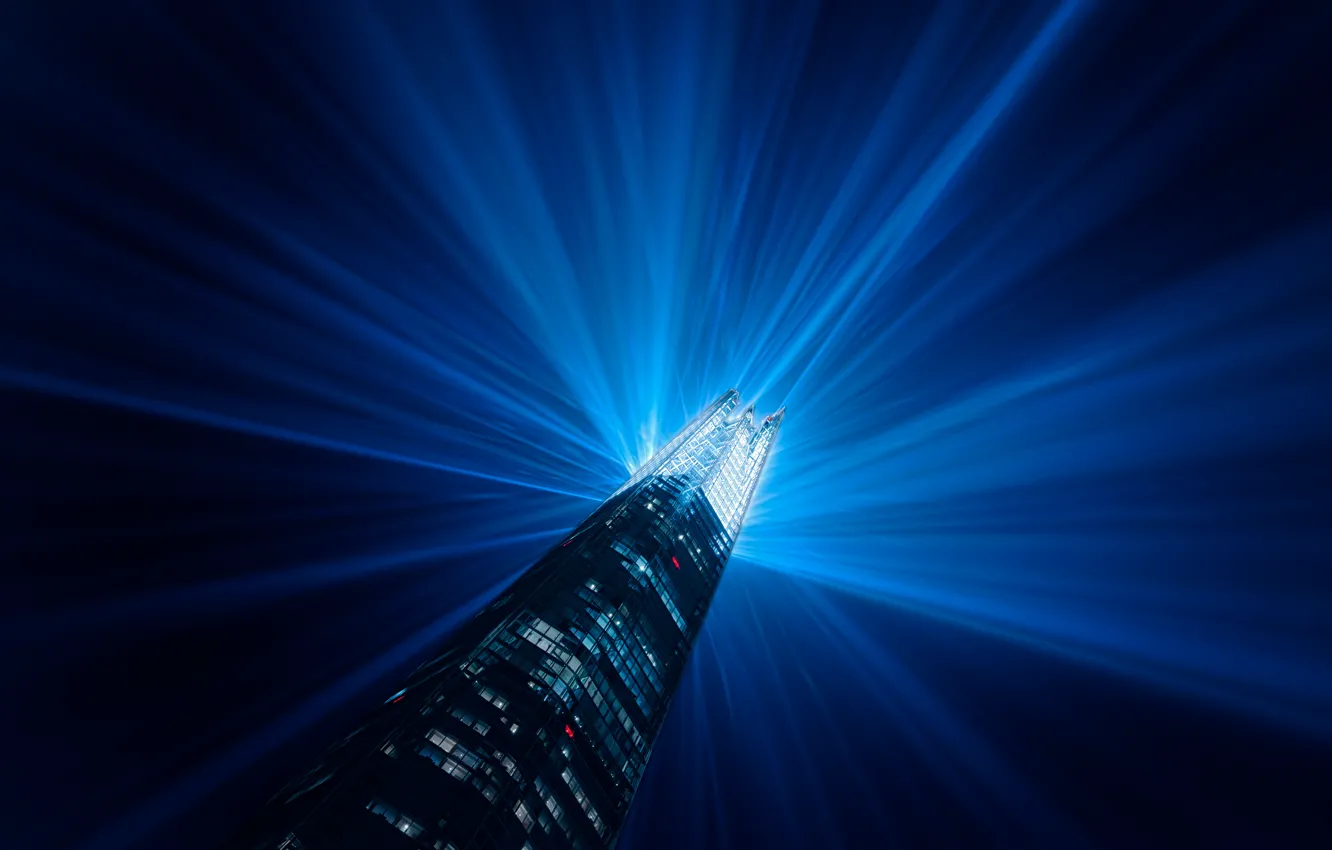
321, 321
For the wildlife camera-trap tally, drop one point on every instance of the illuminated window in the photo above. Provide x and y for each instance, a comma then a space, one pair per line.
524, 815
490, 696
581, 797
396, 819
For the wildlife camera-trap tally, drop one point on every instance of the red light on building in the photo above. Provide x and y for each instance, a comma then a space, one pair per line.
568, 730
673, 561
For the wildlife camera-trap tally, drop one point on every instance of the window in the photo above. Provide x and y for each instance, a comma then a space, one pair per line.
450, 756
524, 815
490, 696
408, 826
510, 766
480, 726
552, 805
581, 797
396, 819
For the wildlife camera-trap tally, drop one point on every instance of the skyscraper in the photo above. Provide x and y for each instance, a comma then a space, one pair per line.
532, 726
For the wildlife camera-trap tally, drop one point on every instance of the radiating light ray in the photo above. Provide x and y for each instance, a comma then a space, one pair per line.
1288, 689
211, 598
1044, 291
957, 741
48, 385
858, 282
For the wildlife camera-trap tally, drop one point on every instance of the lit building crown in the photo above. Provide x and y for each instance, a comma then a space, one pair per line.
720, 455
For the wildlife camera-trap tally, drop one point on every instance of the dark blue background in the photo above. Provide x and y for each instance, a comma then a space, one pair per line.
320, 321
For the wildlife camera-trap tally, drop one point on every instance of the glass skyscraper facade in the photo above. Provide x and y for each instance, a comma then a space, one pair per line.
532, 726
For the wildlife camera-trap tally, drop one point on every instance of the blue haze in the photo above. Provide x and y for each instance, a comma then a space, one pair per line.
322, 321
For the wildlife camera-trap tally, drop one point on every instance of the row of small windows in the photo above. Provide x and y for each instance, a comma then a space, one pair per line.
632, 658
581, 796
510, 766
475, 667
562, 665
524, 815
607, 733
636, 647
611, 710
547, 645
459, 762
555, 809
620, 740
633, 661
396, 819
627, 659
489, 695
629, 677
646, 645
481, 726
664, 591
559, 669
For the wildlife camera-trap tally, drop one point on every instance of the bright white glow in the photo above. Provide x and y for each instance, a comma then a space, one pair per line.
721, 456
